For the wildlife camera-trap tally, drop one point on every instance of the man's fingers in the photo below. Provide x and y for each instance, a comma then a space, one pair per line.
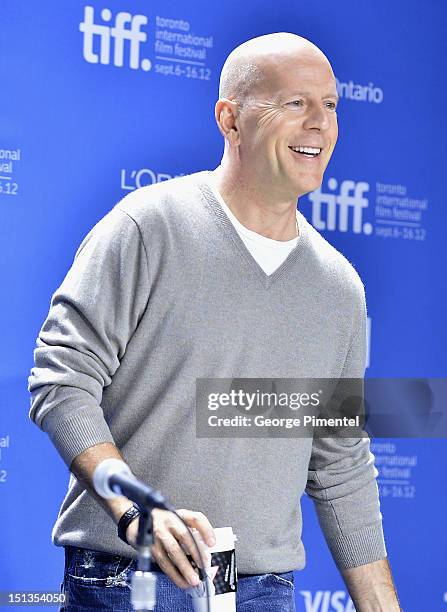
202, 556
173, 541
175, 555
201, 523
169, 568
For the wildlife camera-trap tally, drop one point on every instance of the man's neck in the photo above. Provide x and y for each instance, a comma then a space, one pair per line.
252, 207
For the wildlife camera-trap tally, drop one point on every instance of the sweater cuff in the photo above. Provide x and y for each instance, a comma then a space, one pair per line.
84, 427
359, 548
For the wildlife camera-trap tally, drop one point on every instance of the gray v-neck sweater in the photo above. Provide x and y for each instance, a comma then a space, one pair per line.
163, 291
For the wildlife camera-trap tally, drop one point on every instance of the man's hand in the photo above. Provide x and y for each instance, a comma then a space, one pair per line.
372, 588
172, 540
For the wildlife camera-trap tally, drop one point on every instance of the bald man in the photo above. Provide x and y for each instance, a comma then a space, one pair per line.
214, 275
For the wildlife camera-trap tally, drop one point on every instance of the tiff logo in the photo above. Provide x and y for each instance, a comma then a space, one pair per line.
119, 32
351, 197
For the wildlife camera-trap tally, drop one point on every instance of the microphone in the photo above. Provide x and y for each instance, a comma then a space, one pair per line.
112, 478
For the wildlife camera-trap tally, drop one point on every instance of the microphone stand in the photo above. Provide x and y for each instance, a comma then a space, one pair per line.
113, 477
143, 582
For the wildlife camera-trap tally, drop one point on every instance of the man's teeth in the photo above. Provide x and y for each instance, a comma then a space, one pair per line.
308, 150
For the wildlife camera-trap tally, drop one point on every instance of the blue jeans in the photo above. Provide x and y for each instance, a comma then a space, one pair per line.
98, 581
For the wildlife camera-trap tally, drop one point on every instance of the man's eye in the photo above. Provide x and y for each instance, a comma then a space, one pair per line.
299, 103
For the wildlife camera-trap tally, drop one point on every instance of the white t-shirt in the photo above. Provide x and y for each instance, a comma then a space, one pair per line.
267, 252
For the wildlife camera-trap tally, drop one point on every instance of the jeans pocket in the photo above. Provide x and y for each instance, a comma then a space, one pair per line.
96, 568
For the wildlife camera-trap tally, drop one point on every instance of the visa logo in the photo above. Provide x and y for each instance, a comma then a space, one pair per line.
327, 601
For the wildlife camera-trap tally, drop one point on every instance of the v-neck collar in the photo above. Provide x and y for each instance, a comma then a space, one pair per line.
215, 207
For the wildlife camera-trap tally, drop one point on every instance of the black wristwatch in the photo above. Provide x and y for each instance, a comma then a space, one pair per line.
125, 521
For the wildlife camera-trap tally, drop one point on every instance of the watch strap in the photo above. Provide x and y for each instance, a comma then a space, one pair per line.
125, 521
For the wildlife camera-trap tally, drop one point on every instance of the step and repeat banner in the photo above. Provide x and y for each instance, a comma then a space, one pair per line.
100, 98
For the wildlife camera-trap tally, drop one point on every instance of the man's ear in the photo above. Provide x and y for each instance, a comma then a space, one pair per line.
226, 114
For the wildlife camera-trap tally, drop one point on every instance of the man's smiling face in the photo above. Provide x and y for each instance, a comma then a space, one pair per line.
294, 107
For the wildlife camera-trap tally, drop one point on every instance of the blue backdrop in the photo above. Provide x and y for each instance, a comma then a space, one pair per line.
87, 115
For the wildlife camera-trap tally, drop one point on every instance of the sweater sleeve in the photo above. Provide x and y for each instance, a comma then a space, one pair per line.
342, 477
91, 319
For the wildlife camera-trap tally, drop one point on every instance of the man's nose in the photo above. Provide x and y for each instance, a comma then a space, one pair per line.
316, 117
